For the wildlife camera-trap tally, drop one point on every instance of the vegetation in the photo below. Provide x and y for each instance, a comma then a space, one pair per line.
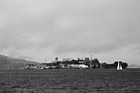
90, 63
114, 65
13, 63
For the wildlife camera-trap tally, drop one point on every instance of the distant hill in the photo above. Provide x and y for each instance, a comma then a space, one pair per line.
13, 63
133, 66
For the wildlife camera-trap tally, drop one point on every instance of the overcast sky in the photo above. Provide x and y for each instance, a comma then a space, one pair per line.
45, 29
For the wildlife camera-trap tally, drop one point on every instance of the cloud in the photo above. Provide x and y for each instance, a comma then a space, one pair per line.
67, 26
117, 26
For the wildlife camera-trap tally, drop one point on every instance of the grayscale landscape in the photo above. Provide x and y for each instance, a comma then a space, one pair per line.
69, 46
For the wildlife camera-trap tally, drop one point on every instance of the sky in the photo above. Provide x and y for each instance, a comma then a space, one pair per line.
44, 29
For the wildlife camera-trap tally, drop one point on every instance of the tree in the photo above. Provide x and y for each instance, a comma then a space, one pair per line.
116, 64
104, 65
95, 63
123, 64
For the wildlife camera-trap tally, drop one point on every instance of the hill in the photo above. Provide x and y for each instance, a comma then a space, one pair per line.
133, 66
14, 63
